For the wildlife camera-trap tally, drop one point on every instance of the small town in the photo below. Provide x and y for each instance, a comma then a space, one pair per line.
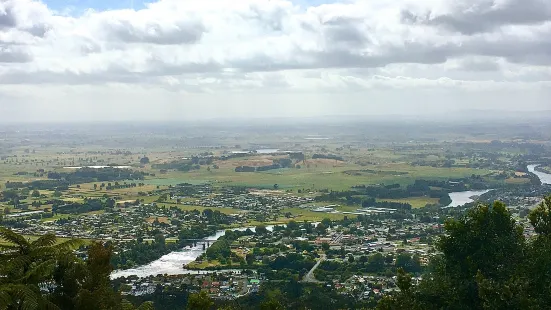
356, 256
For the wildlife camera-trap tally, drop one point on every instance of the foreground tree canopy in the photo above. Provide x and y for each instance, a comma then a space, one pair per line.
45, 274
486, 262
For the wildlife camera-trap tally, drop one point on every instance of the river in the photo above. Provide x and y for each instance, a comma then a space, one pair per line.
461, 198
172, 263
545, 178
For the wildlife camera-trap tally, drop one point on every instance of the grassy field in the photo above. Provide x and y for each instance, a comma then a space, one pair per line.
546, 168
315, 177
311, 216
203, 264
382, 165
416, 202
517, 181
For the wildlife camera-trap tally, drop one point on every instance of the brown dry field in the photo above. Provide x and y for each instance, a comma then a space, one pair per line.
255, 161
161, 220
267, 160
325, 162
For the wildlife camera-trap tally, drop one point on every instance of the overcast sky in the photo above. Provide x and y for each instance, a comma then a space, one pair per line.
182, 59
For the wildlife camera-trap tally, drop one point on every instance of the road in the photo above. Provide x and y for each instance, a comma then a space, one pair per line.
309, 277
337, 239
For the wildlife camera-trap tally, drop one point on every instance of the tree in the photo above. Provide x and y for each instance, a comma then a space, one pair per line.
250, 259
404, 299
26, 266
538, 262
325, 246
308, 227
44, 274
144, 160
10, 195
479, 267
35, 194
110, 203
404, 261
200, 301
321, 229
292, 225
273, 300
96, 291
271, 304
540, 218
162, 198
490, 240
261, 229
376, 262
160, 239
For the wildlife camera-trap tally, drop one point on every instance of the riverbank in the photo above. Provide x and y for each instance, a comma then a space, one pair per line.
543, 169
172, 263
545, 178
462, 198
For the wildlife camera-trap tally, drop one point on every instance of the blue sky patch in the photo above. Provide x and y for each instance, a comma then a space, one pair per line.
99, 5
78, 6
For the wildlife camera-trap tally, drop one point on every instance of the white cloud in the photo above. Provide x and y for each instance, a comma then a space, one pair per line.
267, 47
474, 16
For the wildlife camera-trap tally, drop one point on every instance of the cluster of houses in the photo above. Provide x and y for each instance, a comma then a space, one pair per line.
366, 287
125, 224
220, 285
251, 200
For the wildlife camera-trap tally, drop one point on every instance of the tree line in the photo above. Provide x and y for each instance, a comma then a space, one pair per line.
486, 262
88, 175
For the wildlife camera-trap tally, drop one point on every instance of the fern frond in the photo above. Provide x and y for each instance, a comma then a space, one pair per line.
148, 305
48, 305
14, 238
5, 299
44, 241
69, 245
25, 296
126, 305
16, 262
41, 271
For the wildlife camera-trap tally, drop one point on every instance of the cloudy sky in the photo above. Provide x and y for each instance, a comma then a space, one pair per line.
183, 59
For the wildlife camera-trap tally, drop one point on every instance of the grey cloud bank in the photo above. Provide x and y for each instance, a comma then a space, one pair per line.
374, 56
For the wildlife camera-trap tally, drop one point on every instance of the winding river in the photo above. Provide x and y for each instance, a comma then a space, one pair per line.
545, 178
172, 263
461, 198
